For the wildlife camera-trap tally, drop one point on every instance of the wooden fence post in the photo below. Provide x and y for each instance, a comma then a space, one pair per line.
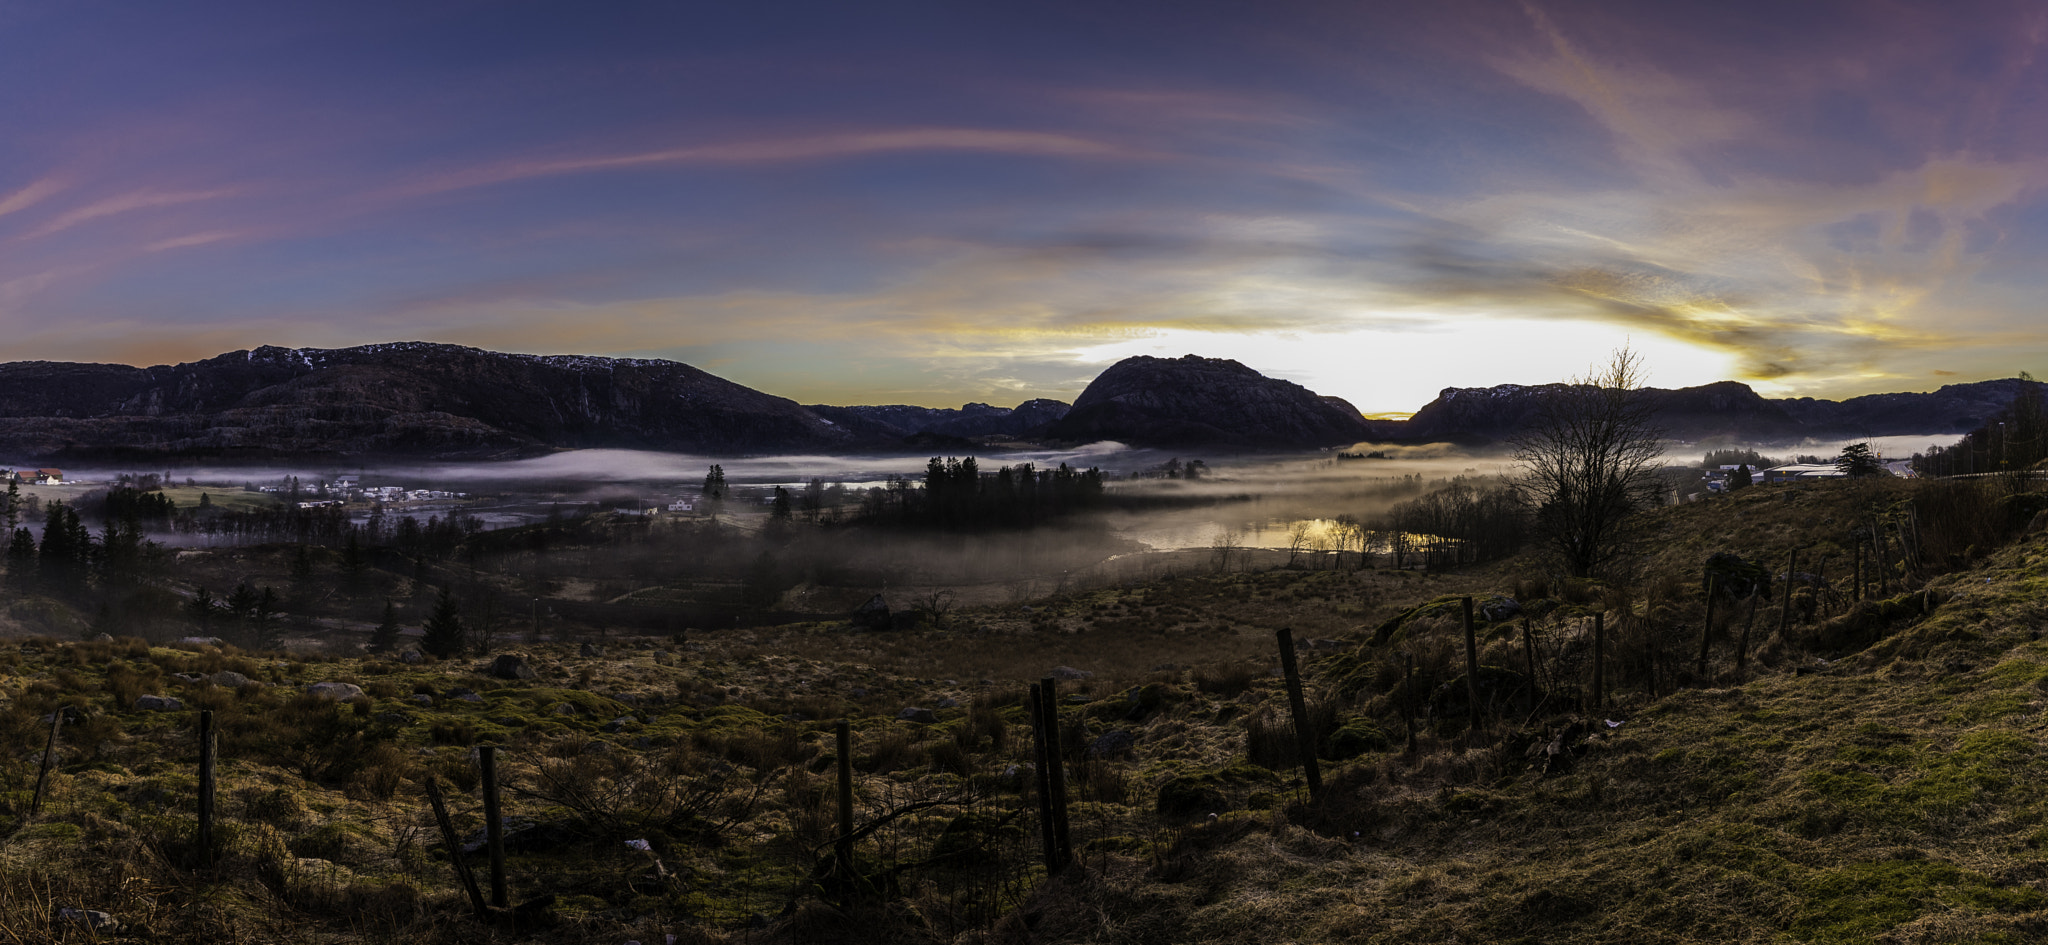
1785, 609
1045, 828
1471, 664
1529, 655
1856, 567
843, 848
1408, 701
461, 866
1056, 774
494, 823
1742, 649
207, 739
1707, 632
1304, 738
1600, 659
35, 804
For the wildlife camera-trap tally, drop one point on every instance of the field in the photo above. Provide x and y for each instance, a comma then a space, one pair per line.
1866, 770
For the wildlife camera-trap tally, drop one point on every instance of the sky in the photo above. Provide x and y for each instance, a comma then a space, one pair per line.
941, 202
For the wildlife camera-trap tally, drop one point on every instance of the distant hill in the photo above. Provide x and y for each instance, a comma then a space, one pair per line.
901, 422
1726, 409
415, 399
404, 399
1194, 401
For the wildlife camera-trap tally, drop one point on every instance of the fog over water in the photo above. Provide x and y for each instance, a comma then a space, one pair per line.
1255, 500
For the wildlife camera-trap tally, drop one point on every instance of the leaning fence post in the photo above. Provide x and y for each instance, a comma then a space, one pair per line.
1471, 664
494, 823
207, 739
35, 804
1707, 632
1056, 773
1785, 610
1045, 828
1856, 550
1304, 739
1742, 649
461, 866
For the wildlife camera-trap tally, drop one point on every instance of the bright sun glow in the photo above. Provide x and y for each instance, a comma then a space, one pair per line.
1379, 370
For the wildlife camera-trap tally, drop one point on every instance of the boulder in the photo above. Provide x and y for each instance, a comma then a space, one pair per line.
412, 658
203, 641
563, 708
228, 679
588, 651
89, 918
619, 724
1068, 673
915, 714
1496, 609
873, 615
1112, 744
511, 666
338, 691
159, 704
422, 698
947, 703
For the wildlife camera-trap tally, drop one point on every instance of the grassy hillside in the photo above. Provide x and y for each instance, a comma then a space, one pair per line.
1870, 772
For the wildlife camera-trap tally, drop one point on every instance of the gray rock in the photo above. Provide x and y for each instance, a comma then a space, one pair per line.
619, 724
1014, 776
915, 714
469, 697
422, 698
511, 666
412, 658
947, 702
203, 641
1112, 744
393, 718
564, 708
159, 704
228, 679
338, 691
1068, 673
102, 638
92, 919
1499, 608
188, 678
588, 651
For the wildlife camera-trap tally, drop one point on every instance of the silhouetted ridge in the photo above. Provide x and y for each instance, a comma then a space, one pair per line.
1195, 401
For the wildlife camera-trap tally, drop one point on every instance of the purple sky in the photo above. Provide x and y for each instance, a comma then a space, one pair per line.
940, 202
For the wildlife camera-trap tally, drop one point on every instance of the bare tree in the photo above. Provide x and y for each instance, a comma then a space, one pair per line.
1589, 463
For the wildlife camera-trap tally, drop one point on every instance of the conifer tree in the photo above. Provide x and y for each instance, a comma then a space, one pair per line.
384, 639
444, 632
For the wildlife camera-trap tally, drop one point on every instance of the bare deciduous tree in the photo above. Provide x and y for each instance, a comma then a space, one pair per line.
1589, 463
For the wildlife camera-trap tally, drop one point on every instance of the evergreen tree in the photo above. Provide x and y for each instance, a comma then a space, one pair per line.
444, 633
203, 608
21, 557
265, 631
1740, 478
1857, 461
384, 639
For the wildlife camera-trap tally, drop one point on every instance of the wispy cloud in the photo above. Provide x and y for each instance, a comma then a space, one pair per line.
29, 196
771, 150
126, 203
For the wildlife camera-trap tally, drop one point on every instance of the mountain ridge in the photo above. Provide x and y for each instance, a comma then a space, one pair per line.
422, 399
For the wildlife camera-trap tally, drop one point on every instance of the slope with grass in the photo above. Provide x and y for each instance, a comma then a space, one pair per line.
1870, 772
